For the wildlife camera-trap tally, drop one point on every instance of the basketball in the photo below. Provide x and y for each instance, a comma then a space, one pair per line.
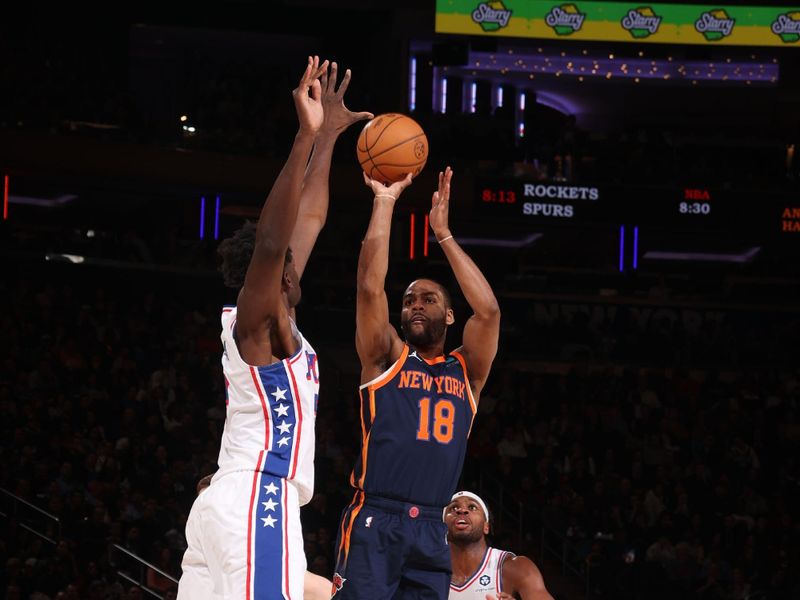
390, 146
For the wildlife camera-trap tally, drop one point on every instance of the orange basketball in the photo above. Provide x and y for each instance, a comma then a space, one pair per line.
390, 146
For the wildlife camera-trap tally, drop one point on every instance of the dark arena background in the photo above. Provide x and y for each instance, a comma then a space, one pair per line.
634, 205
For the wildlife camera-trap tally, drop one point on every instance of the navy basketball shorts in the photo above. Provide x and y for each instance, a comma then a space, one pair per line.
391, 550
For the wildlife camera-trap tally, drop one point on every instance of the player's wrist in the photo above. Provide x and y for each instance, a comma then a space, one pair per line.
328, 133
443, 236
306, 133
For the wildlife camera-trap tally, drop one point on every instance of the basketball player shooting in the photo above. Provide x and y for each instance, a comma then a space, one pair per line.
243, 532
417, 408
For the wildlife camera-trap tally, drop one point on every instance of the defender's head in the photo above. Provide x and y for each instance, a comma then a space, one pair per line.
236, 252
427, 312
467, 518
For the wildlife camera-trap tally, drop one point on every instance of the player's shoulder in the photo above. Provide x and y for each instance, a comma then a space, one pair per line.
518, 568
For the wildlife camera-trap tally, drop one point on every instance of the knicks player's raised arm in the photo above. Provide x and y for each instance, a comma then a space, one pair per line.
313, 210
377, 342
482, 329
262, 326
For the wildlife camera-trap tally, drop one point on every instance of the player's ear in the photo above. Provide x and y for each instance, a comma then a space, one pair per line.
486, 528
450, 316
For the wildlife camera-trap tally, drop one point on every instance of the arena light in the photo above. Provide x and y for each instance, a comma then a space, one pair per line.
473, 96
51, 202
202, 217
74, 259
496, 243
216, 220
425, 236
412, 84
411, 242
609, 66
720, 257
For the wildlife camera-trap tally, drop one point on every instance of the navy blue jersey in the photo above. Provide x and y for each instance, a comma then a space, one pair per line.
415, 421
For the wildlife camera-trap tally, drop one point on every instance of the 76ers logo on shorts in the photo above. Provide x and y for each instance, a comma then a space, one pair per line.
338, 582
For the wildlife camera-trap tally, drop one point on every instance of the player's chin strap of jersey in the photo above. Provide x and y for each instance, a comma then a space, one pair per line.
466, 494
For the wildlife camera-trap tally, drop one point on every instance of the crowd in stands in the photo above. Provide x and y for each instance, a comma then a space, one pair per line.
667, 475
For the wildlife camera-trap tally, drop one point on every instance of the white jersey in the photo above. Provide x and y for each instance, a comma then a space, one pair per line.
270, 413
488, 579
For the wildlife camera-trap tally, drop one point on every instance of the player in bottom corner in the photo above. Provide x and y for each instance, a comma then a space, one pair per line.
481, 572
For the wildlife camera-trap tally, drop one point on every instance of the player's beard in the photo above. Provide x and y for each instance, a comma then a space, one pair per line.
430, 335
465, 538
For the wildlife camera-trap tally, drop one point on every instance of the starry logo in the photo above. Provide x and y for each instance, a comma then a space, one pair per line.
641, 22
338, 582
485, 580
787, 27
565, 19
491, 16
715, 24
269, 504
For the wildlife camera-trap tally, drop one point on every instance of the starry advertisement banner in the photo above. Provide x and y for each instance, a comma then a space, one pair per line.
622, 22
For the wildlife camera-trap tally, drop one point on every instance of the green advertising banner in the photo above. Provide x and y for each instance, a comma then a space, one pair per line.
622, 22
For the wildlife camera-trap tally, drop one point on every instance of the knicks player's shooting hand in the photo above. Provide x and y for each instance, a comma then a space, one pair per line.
307, 96
440, 206
387, 191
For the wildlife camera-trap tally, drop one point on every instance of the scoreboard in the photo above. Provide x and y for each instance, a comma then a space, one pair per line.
690, 208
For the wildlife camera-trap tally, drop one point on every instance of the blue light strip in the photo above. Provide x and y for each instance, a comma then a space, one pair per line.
412, 85
216, 220
635, 247
202, 217
621, 248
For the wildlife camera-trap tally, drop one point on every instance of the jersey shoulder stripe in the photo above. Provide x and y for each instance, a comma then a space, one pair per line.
387, 375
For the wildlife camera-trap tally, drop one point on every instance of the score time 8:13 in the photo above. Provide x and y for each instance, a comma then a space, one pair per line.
498, 196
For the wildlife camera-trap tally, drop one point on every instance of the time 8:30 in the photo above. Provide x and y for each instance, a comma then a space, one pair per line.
694, 208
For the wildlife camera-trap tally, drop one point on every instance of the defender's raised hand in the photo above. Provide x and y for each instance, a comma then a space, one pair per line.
337, 116
440, 206
307, 96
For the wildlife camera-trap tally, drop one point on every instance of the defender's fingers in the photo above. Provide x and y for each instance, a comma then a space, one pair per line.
332, 78
345, 82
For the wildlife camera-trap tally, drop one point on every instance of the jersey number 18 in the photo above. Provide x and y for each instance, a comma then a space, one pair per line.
443, 416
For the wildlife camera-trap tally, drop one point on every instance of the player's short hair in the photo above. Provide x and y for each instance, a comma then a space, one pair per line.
448, 300
236, 252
